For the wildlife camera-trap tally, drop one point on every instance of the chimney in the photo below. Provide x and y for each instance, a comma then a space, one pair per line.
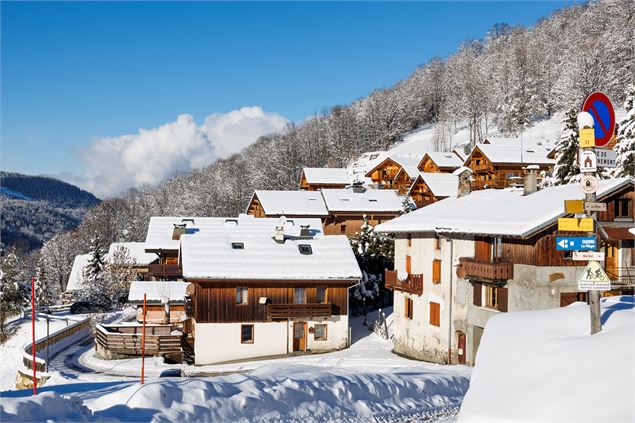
531, 179
304, 230
358, 188
465, 182
179, 229
278, 234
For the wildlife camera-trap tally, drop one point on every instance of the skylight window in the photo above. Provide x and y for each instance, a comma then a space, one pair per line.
238, 245
372, 200
305, 249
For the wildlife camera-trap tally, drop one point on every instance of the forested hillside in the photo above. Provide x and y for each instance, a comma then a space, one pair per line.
510, 78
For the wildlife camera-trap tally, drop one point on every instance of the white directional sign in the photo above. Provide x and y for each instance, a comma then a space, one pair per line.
589, 184
587, 160
594, 278
606, 158
588, 255
590, 206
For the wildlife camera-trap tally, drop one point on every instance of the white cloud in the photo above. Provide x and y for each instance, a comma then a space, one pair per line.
152, 155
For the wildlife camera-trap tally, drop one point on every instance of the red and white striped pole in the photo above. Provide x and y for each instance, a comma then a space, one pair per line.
143, 338
33, 334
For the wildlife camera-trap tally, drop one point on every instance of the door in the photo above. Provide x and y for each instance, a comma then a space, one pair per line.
299, 336
461, 345
611, 259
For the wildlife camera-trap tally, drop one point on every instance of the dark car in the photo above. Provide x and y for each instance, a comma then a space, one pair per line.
81, 307
171, 373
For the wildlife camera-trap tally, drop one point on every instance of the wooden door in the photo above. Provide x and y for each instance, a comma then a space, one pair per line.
299, 336
461, 345
611, 258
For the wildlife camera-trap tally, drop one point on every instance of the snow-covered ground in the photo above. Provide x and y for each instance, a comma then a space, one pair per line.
543, 366
363, 383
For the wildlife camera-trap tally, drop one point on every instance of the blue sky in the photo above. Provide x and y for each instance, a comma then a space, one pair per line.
73, 73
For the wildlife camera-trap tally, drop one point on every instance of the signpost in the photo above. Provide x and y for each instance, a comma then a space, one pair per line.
589, 184
575, 224
594, 278
600, 107
588, 255
573, 206
587, 161
576, 244
606, 158
590, 206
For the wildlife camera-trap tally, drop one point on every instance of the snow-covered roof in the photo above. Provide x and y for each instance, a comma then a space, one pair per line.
160, 228
370, 200
157, 291
441, 184
76, 277
511, 153
444, 159
408, 164
497, 211
263, 258
292, 203
326, 175
460, 153
136, 251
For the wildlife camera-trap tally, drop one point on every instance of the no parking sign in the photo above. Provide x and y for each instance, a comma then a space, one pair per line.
600, 107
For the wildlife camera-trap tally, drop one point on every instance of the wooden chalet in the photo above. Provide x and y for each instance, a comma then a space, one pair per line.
384, 173
316, 178
440, 162
406, 176
429, 188
263, 296
502, 165
291, 204
165, 301
135, 253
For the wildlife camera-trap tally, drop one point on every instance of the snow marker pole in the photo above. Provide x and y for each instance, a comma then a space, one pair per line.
33, 334
143, 338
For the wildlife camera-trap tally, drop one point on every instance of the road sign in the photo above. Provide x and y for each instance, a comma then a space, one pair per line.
574, 224
600, 107
576, 243
590, 206
606, 158
587, 161
574, 206
588, 255
587, 138
594, 278
589, 184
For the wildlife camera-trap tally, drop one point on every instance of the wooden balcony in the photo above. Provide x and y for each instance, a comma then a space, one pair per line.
125, 339
621, 277
169, 271
485, 270
413, 284
292, 311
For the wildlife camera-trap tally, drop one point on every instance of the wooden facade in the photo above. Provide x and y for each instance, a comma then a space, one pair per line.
421, 193
384, 173
428, 165
255, 207
488, 174
350, 223
403, 181
215, 301
305, 185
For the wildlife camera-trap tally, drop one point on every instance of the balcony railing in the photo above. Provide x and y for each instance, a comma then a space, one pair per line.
290, 311
494, 184
164, 270
621, 276
413, 284
496, 270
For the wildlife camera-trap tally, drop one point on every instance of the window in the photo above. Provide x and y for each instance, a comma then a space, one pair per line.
497, 248
238, 245
299, 296
435, 314
408, 309
436, 271
246, 334
305, 249
408, 264
409, 240
320, 332
491, 297
241, 295
342, 229
321, 295
622, 207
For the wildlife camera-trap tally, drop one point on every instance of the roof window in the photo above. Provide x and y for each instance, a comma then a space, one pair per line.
305, 249
372, 200
238, 245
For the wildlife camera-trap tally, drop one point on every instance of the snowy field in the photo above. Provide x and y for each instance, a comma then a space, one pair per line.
543, 366
363, 383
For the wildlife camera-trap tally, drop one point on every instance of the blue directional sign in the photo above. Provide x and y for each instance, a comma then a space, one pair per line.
576, 244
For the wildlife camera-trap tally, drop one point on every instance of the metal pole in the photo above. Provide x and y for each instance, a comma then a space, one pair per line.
47, 340
450, 302
143, 339
33, 335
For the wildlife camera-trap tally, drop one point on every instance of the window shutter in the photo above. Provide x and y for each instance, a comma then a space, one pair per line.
408, 265
477, 294
502, 299
436, 271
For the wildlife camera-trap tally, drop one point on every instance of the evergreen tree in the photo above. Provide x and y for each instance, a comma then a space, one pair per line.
14, 291
625, 146
567, 169
96, 288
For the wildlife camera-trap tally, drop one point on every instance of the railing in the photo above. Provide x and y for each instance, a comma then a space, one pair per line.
285, 311
167, 270
494, 184
127, 339
413, 284
497, 270
621, 276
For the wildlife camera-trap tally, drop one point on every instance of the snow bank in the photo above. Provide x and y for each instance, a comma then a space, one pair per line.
44, 407
544, 366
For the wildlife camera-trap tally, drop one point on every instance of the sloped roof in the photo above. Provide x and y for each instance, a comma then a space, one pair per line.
292, 203
511, 153
497, 211
371, 200
160, 228
136, 251
444, 159
408, 162
76, 277
326, 175
157, 291
262, 258
441, 184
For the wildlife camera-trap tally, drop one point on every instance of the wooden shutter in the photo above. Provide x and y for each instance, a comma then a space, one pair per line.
408, 265
502, 299
482, 249
435, 314
436, 271
477, 294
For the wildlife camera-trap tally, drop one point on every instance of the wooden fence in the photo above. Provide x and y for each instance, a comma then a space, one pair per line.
127, 339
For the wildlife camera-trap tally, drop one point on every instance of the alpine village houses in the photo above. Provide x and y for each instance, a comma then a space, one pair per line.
460, 261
